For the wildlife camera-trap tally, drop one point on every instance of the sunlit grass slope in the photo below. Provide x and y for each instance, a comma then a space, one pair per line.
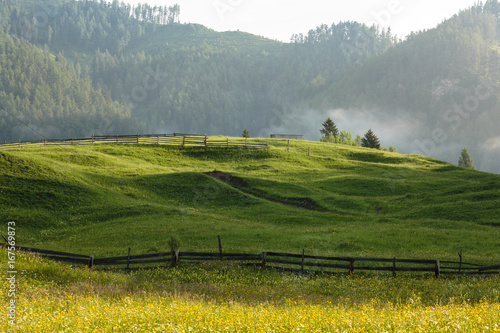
340, 200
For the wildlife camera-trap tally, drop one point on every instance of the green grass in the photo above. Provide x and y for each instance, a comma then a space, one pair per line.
222, 297
352, 201
224, 282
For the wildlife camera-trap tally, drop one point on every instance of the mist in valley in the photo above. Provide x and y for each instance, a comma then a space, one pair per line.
410, 136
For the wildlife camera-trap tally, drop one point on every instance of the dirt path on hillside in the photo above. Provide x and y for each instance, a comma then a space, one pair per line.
240, 184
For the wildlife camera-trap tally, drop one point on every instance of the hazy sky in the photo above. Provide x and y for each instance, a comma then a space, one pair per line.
279, 19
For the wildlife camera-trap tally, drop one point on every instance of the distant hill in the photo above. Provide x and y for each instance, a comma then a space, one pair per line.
188, 78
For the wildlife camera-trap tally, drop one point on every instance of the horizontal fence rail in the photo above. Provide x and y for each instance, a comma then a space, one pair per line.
178, 139
60, 256
274, 260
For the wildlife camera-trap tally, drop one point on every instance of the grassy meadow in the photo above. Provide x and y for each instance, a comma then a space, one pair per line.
220, 297
339, 201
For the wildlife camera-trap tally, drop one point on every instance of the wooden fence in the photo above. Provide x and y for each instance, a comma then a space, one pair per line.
304, 262
179, 139
274, 260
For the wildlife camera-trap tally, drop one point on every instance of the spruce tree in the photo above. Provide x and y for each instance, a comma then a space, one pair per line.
465, 160
329, 127
246, 133
370, 140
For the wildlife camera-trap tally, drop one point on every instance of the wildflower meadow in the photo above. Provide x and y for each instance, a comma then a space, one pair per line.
218, 297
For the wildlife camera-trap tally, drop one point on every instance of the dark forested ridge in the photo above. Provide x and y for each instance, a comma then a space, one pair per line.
44, 96
122, 68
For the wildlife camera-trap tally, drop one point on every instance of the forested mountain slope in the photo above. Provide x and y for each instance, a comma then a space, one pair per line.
443, 81
187, 77
416, 93
43, 96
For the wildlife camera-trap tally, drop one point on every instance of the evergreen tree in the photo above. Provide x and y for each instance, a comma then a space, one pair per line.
246, 133
465, 160
329, 127
370, 140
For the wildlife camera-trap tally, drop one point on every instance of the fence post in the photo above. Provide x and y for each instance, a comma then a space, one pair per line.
227, 142
128, 259
117, 138
92, 138
438, 269
302, 264
91, 261
19, 143
351, 266
183, 140
137, 138
44, 141
175, 258
220, 247
205, 140
460, 265
6, 241
264, 259
394, 267
158, 140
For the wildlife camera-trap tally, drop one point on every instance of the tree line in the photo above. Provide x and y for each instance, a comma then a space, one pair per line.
331, 134
86, 24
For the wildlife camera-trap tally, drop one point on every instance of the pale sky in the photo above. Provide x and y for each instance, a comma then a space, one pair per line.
279, 19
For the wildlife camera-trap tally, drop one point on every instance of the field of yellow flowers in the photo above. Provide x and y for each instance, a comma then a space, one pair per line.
225, 298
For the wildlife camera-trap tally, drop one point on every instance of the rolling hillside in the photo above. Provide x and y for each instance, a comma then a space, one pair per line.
339, 201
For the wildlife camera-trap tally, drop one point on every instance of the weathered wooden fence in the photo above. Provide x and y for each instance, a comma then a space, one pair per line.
60, 256
179, 139
302, 262
274, 260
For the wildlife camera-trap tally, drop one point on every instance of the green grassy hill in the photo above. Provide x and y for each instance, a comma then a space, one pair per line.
341, 200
